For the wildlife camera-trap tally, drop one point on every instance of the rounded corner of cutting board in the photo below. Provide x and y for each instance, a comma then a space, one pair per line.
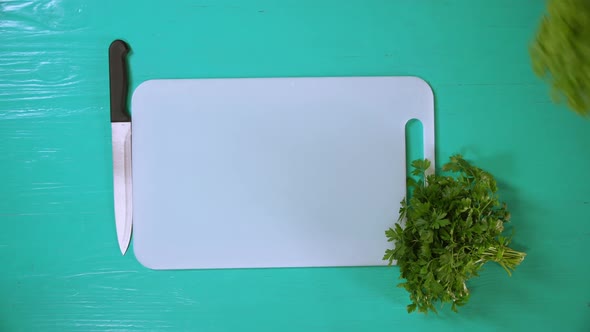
146, 260
423, 85
144, 88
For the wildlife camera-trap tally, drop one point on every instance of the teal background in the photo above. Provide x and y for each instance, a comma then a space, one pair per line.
61, 266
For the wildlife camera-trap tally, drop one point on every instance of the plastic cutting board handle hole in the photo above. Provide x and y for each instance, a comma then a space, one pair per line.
414, 143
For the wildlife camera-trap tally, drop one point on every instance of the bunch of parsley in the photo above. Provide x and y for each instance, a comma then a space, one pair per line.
453, 226
560, 52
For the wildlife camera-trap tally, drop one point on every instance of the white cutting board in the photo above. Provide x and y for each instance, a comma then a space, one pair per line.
272, 172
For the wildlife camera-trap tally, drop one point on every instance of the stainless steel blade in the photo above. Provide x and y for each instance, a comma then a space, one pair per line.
122, 177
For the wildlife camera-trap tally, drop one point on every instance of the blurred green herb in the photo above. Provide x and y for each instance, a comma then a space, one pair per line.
453, 226
560, 52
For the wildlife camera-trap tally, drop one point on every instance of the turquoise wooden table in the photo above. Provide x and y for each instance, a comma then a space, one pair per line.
61, 266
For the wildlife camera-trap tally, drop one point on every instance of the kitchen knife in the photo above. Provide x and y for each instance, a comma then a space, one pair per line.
121, 139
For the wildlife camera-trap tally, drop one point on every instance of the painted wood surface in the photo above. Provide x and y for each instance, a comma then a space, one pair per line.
61, 267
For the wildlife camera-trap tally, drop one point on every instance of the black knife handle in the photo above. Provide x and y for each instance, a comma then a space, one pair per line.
119, 81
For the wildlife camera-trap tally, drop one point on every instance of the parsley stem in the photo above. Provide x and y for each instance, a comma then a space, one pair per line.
507, 257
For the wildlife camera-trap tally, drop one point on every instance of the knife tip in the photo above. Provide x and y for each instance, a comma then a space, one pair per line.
123, 246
